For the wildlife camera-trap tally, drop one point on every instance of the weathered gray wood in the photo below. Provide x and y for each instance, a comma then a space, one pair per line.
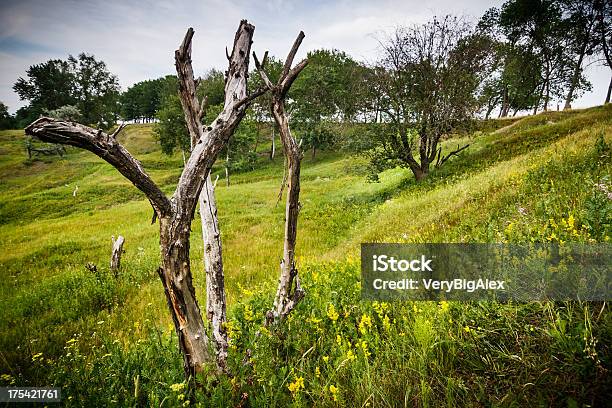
215, 280
175, 214
289, 291
214, 137
115, 262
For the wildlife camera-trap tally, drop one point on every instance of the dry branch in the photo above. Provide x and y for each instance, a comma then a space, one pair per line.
289, 291
455, 152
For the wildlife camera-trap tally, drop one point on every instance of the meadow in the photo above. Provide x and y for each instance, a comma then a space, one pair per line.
109, 341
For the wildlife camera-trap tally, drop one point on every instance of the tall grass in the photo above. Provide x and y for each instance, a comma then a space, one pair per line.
110, 341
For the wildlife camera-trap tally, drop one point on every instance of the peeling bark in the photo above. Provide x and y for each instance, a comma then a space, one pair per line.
215, 279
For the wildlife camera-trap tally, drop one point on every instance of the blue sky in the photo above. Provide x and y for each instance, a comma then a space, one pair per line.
137, 39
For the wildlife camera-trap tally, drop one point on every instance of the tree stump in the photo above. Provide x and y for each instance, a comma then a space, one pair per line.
115, 262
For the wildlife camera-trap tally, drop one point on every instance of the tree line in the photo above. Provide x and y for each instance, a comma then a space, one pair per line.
428, 81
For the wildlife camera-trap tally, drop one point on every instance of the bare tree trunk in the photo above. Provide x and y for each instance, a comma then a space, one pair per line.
175, 215
289, 291
213, 263
175, 275
285, 300
115, 262
609, 92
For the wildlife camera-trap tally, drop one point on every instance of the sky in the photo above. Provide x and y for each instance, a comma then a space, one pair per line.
137, 39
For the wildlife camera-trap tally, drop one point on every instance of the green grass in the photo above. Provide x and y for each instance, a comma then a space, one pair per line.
109, 341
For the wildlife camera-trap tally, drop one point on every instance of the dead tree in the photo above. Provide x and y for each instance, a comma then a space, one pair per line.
211, 235
289, 292
175, 214
115, 262
213, 264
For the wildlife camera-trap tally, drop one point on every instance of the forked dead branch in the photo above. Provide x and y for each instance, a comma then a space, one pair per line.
289, 291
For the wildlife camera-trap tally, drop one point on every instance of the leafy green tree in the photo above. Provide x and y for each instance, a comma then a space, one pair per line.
171, 130
603, 32
580, 17
96, 90
48, 85
80, 81
429, 76
6, 120
326, 90
538, 26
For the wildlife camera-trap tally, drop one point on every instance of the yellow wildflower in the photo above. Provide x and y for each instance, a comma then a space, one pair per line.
248, 313
386, 323
334, 392
444, 305
364, 347
178, 387
325, 359
338, 339
350, 356
313, 320
317, 372
297, 385
331, 312
365, 323
467, 329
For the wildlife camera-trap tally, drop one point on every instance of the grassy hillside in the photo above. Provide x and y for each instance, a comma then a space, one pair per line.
109, 341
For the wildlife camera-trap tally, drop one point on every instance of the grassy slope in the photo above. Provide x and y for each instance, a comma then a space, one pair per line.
544, 164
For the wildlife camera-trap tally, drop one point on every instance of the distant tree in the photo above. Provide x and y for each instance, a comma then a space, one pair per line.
538, 27
603, 32
170, 130
240, 154
96, 90
6, 120
24, 116
428, 76
142, 100
48, 85
580, 17
80, 81
520, 79
326, 90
